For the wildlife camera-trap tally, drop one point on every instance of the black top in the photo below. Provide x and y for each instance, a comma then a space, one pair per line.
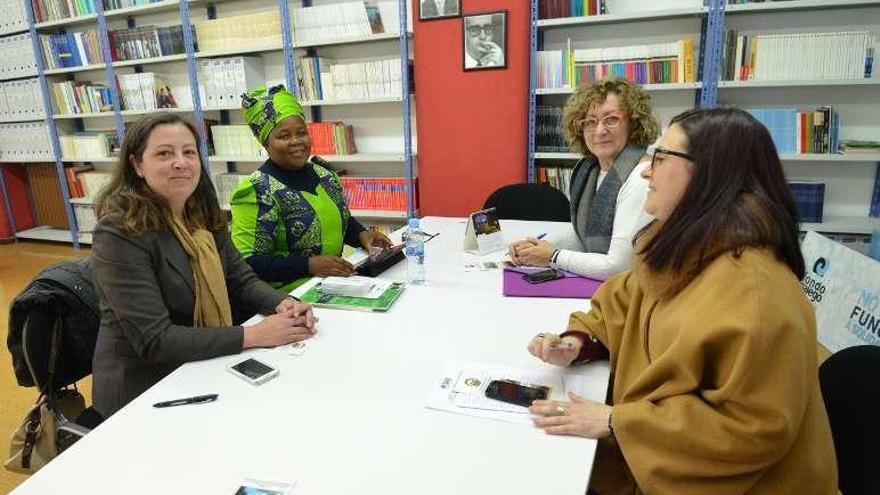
293, 266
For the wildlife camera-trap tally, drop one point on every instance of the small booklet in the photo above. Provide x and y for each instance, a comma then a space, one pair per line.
381, 297
250, 486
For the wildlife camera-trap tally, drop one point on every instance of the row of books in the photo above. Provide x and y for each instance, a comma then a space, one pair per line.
553, 9
225, 184
236, 141
322, 79
145, 91
375, 193
86, 218
801, 130
71, 49
55, 10
548, 130
18, 57
556, 176
25, 142
643, 64
858, 147
774, 57
223, 80
87, 182
809, 198
148, 42
87, 145
77, 97
332, 138
13, 19
21, 100
261, 29
45, 190
344, 19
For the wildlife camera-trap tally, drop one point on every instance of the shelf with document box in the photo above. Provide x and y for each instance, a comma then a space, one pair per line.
795, 83
152, 60
794, 5
71, 70
350, 40
126, 11
45, 233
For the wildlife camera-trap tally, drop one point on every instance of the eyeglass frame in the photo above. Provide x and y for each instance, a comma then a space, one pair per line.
657, 149
485, 29
581, 123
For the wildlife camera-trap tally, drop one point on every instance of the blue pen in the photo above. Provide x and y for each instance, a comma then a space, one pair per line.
541, 236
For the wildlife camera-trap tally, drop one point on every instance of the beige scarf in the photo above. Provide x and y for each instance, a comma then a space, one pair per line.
212, 301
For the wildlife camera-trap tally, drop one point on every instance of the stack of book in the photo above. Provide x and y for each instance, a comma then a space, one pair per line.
74, 184
87, 145
801, 130
375, 193
145, 91
552, 9
223, 80
236, 141
658, 63
322, 79
332, 138
76, 97
21, 100
77, 49
56, 10
25, 142
809, 197
262, 29
225, 184
18, 57
856, 147
548, 130
345, 19
780, 57
92, 182
148, 42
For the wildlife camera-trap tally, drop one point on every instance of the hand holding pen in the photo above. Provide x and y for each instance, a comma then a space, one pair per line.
551, 348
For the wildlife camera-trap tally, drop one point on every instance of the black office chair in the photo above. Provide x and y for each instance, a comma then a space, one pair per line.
530, 202
852, 397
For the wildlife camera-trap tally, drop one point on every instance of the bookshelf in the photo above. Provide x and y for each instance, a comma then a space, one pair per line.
851, 180
383, 124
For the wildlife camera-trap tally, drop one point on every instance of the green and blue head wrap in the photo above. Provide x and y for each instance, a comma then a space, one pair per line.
264, 108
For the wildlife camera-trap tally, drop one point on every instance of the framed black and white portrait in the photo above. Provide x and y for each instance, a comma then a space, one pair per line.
438, 9
484, 40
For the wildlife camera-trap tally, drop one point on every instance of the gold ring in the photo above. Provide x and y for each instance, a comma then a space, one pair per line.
560, 411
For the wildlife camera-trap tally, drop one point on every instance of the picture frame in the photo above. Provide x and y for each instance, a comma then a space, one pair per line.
484, 40
430, 10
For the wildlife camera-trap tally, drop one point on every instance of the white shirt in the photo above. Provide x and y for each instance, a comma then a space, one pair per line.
629, 218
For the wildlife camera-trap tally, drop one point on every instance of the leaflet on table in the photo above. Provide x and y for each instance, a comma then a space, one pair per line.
381, 297
461, 389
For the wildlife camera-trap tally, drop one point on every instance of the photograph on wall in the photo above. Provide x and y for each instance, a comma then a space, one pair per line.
484, 40
438, 9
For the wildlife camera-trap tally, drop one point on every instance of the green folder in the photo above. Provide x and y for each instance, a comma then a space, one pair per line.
381, 303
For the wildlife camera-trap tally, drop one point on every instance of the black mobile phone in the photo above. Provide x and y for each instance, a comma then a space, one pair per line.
516, 393
543, 276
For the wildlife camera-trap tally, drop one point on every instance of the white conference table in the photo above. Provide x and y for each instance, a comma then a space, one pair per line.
347, 416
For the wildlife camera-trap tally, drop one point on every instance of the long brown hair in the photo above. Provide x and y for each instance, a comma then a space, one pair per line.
129, 203
737, 196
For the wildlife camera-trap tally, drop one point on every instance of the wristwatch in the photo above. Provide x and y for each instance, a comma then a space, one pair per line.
553, 258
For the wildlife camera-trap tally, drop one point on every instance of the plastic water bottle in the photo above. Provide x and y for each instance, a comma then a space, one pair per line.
414, 239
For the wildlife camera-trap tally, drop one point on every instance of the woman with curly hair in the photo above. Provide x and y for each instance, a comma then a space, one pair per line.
611, 123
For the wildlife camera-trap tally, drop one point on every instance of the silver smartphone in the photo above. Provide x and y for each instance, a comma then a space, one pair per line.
253, 371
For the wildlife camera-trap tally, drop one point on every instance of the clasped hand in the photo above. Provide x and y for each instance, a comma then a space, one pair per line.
293, 321
531, 252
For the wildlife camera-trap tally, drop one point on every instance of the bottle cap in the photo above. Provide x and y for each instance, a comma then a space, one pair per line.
413, 222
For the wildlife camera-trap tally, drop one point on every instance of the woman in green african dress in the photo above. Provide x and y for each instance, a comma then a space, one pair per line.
290, 218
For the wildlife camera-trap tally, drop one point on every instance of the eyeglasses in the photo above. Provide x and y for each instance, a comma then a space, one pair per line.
664, 151
590, 124
487, 29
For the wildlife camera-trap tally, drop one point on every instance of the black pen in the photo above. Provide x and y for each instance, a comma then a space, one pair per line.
199, 399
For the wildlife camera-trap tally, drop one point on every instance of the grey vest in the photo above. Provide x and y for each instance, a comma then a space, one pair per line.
592, 211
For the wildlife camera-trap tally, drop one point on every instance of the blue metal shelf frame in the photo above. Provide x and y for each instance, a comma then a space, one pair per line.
533, 83
50, 122
712, 53
192, 72
403, 41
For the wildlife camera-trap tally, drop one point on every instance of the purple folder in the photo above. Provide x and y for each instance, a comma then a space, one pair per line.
571, 286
